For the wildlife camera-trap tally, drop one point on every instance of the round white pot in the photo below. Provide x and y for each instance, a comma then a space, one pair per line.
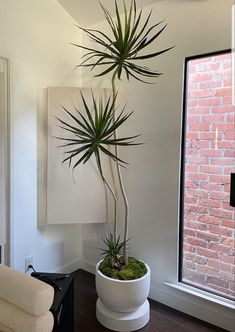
122, 304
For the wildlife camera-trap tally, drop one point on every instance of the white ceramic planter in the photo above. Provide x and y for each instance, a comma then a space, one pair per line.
122, 304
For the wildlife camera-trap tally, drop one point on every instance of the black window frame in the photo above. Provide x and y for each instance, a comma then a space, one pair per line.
182, 168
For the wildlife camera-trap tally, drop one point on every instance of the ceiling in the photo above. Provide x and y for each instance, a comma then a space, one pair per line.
88, 12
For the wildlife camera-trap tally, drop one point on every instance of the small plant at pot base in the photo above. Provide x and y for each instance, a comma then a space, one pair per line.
113, 252
113, 265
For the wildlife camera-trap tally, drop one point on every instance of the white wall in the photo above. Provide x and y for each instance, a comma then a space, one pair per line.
152, 181
35, 35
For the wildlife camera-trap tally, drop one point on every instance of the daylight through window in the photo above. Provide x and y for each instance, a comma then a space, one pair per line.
208, 152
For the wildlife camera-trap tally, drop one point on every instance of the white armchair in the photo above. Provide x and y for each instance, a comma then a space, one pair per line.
24, 303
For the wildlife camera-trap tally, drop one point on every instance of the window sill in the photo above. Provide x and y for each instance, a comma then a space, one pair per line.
202, 294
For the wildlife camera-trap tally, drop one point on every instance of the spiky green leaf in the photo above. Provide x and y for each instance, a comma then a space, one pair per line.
129, 38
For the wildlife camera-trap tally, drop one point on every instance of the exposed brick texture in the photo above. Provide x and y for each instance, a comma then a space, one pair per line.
209, 221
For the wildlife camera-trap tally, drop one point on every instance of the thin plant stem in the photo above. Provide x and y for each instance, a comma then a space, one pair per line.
115, 206
123, 191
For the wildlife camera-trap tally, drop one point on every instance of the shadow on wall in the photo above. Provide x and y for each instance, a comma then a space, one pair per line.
94, 234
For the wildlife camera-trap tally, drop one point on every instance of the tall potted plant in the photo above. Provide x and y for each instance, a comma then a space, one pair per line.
122, 282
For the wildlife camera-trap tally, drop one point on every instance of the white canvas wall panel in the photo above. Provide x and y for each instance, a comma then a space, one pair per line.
77, 196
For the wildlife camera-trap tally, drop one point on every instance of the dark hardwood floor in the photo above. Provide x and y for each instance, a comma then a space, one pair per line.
163, 318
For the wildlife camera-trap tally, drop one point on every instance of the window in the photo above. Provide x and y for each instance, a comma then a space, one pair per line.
208, 151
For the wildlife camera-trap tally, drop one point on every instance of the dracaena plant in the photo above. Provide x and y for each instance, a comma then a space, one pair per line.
113, 250
122, 51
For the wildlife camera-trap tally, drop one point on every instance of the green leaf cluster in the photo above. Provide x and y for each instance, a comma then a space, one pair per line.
92, 132
126, 46
113, 251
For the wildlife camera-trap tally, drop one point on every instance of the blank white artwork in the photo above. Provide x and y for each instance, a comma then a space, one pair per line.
77, 196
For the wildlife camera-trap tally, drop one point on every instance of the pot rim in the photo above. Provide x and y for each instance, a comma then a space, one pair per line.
123, 281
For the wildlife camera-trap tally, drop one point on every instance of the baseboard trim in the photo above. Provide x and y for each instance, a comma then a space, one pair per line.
87, 266
69, 268
76, 265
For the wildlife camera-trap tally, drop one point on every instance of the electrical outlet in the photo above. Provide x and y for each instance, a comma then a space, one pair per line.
28, 261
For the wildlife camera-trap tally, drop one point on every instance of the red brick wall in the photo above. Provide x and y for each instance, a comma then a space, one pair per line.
209, 221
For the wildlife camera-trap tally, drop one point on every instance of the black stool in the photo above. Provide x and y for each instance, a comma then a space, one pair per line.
63, 304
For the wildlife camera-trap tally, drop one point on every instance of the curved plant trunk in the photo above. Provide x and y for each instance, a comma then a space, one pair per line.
123, 192
115, 206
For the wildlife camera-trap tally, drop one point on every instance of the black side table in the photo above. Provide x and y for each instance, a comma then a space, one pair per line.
63, 304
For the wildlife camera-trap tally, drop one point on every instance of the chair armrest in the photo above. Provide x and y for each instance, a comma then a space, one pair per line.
20, 321
25, 292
